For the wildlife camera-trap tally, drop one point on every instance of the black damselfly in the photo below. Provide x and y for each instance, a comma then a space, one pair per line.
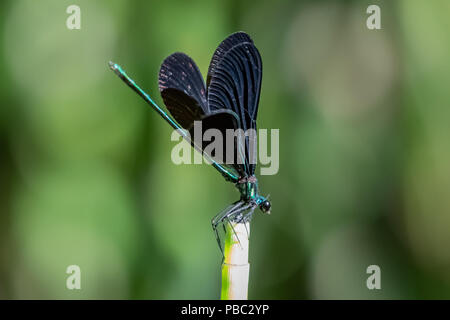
228, 101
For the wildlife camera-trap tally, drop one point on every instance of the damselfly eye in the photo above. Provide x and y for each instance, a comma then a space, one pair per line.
265, 206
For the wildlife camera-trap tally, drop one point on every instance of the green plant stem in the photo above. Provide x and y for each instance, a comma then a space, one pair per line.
235, 266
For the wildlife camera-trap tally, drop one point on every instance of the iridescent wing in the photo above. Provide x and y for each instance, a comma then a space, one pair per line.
183, 89
228, 155
234, 83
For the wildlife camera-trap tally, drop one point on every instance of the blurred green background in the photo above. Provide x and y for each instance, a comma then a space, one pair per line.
86, 176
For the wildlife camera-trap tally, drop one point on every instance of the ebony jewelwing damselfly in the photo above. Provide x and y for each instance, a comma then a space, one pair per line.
228, 101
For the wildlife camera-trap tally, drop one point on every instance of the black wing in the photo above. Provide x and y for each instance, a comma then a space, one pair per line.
224, 47
183, 89
234, 83
222, 120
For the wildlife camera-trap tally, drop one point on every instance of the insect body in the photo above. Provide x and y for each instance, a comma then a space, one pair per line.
229, 100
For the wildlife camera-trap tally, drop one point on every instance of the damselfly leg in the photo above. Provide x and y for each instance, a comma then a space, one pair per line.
234, 212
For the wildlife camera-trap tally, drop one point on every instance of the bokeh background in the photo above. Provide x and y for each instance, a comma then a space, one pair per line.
86, 176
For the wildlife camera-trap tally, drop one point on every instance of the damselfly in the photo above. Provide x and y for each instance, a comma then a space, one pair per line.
228, 101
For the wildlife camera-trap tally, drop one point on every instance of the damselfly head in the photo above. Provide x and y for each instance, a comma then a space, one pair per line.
265, 206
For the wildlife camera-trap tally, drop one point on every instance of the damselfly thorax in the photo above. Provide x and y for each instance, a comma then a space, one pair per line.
248, 188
